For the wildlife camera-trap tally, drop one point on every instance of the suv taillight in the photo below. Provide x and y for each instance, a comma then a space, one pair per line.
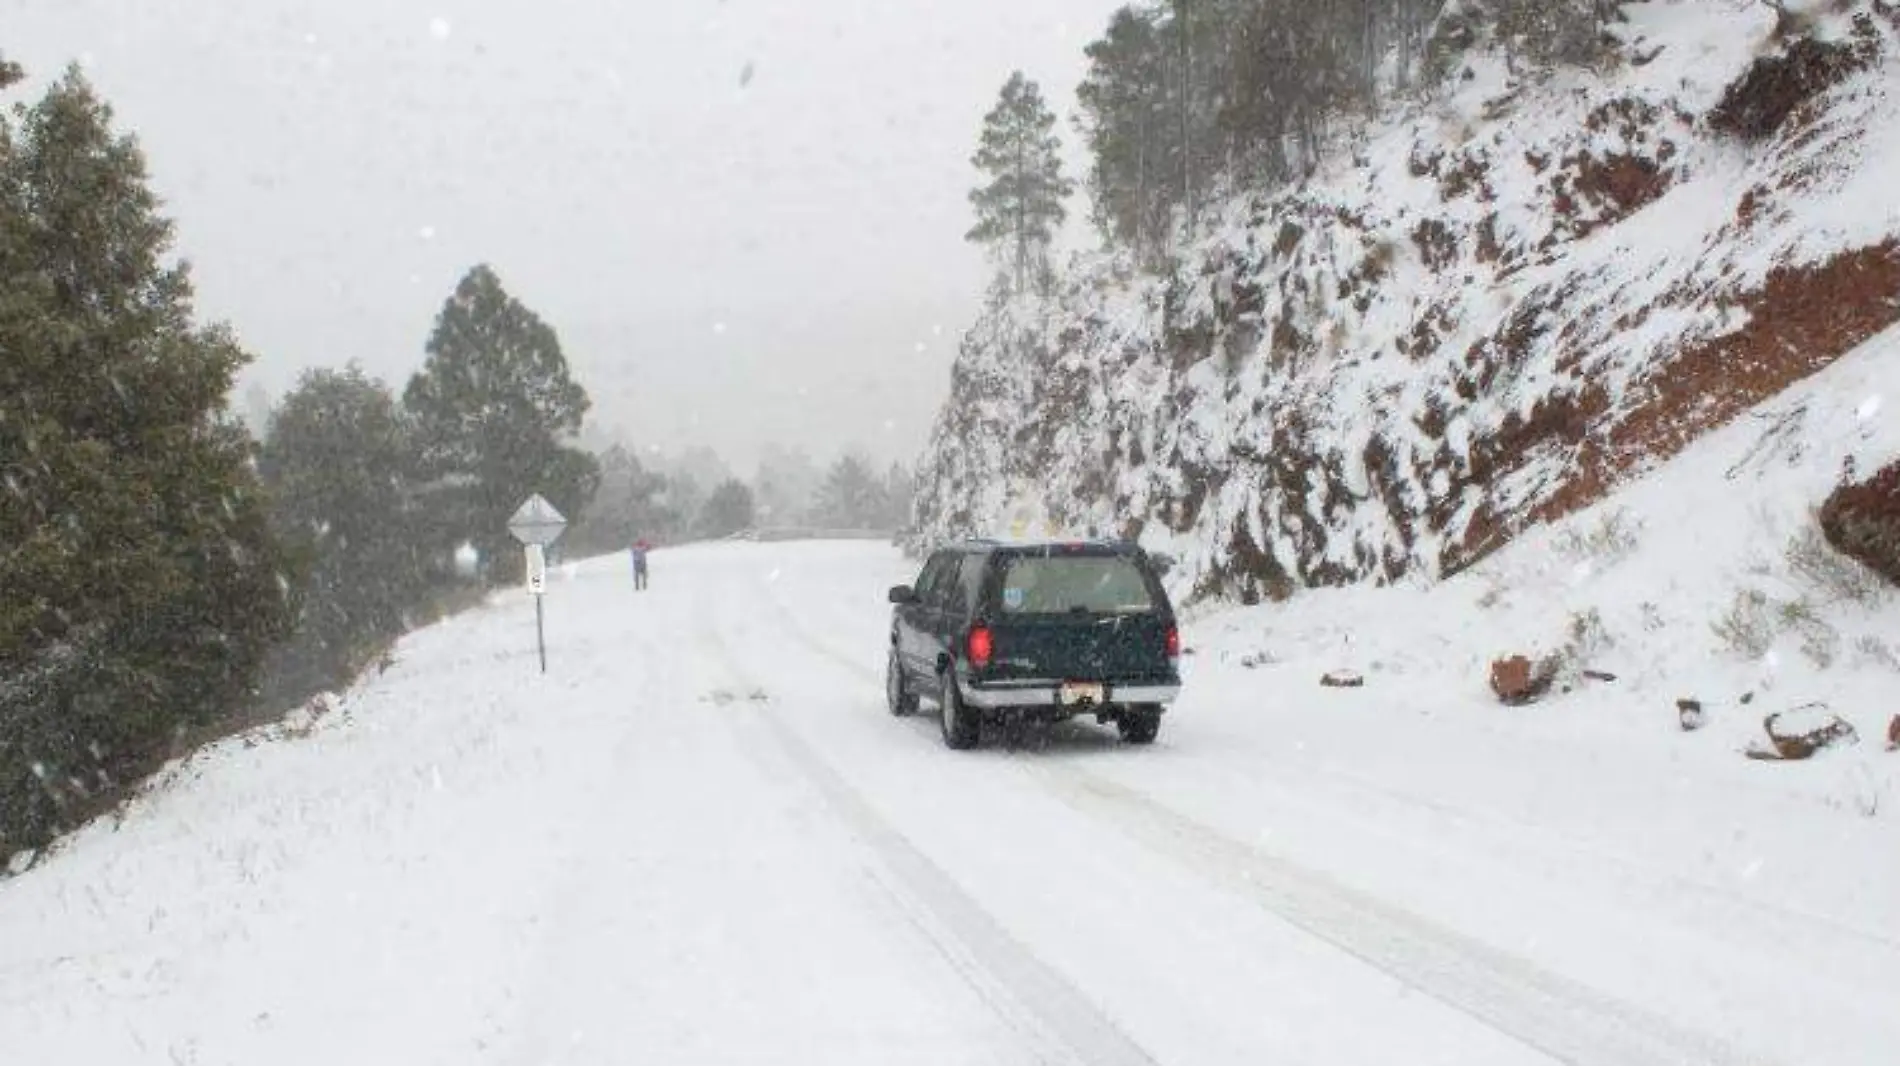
981, 646
1174, 642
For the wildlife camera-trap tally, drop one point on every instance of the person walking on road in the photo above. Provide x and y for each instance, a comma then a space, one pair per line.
639, 551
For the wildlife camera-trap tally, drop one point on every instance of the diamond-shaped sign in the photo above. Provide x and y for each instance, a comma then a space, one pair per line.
536, 521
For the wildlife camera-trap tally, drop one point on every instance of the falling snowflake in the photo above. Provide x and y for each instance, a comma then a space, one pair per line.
440, 29
719, 329
427, 233
1869, 408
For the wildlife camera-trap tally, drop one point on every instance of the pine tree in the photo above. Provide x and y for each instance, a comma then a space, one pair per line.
1128, 136
900, 488
142, 584
1021, 205
337, 462
625, 508
785, 486
493, 407
728, 510
852, 497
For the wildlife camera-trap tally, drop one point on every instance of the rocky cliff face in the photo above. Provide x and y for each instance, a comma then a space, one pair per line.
1486, 312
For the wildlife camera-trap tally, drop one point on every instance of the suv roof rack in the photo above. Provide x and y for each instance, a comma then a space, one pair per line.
1035, 542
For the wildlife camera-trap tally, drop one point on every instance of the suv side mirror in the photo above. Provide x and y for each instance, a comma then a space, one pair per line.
903, 596
1161, 563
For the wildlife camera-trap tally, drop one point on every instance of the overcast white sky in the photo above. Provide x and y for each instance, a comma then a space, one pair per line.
727, 264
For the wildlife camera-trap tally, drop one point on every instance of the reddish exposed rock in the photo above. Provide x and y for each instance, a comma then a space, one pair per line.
1793, 745
1517, 681
1801, 321
1862, 521
1760, 101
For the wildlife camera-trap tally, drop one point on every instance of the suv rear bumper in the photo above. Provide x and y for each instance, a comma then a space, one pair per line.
1005, 695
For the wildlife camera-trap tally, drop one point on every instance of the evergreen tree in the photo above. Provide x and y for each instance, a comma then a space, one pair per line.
785, 486
683, 496
728, 510
1021, 205
336, 460
142, 584
852, 497
900, 489
627, 507
1128, 135
493, 406
1187, 96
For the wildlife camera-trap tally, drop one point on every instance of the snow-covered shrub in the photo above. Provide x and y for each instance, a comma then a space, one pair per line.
1877, 652
1610, 539
1820, 642
1748, 626
1585, 638
1837, 577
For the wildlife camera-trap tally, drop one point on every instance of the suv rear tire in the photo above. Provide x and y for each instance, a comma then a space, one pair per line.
961, 727
897, 693
1139, 725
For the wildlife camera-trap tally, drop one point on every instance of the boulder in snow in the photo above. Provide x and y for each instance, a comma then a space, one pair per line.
1342, 679
1862, 521
1518, 681
1690, 714
1800, 733
1893, 734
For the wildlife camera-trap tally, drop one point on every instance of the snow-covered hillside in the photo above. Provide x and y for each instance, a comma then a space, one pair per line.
1486, 312
1706, 580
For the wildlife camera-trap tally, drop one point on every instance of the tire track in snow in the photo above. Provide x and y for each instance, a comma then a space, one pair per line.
1030, 995
1742, 907
1559, 1017
1562, 1018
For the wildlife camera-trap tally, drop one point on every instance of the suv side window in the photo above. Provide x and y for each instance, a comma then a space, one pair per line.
975, 568
943, 591
932, 576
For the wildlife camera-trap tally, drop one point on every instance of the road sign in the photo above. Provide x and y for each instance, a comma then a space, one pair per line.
537, 569
537, 524
536, 521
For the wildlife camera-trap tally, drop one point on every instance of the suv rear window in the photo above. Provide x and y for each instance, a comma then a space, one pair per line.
1104, 584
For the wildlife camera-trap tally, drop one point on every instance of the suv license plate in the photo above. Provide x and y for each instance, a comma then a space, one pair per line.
1077, 692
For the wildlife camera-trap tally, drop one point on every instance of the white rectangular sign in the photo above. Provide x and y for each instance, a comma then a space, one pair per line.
537, 569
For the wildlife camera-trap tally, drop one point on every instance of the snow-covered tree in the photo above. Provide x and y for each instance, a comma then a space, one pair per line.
337, 460
494, 406
728, 510
852, 496
142, 585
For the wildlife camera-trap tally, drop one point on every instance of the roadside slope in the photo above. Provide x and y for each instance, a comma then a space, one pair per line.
1486, 312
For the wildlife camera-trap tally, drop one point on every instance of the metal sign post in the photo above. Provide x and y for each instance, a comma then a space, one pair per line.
538, 585
536, 525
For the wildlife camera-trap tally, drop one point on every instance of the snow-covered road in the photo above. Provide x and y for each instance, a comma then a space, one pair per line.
701, 839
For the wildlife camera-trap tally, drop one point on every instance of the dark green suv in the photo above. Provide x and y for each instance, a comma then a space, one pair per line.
1017, 633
